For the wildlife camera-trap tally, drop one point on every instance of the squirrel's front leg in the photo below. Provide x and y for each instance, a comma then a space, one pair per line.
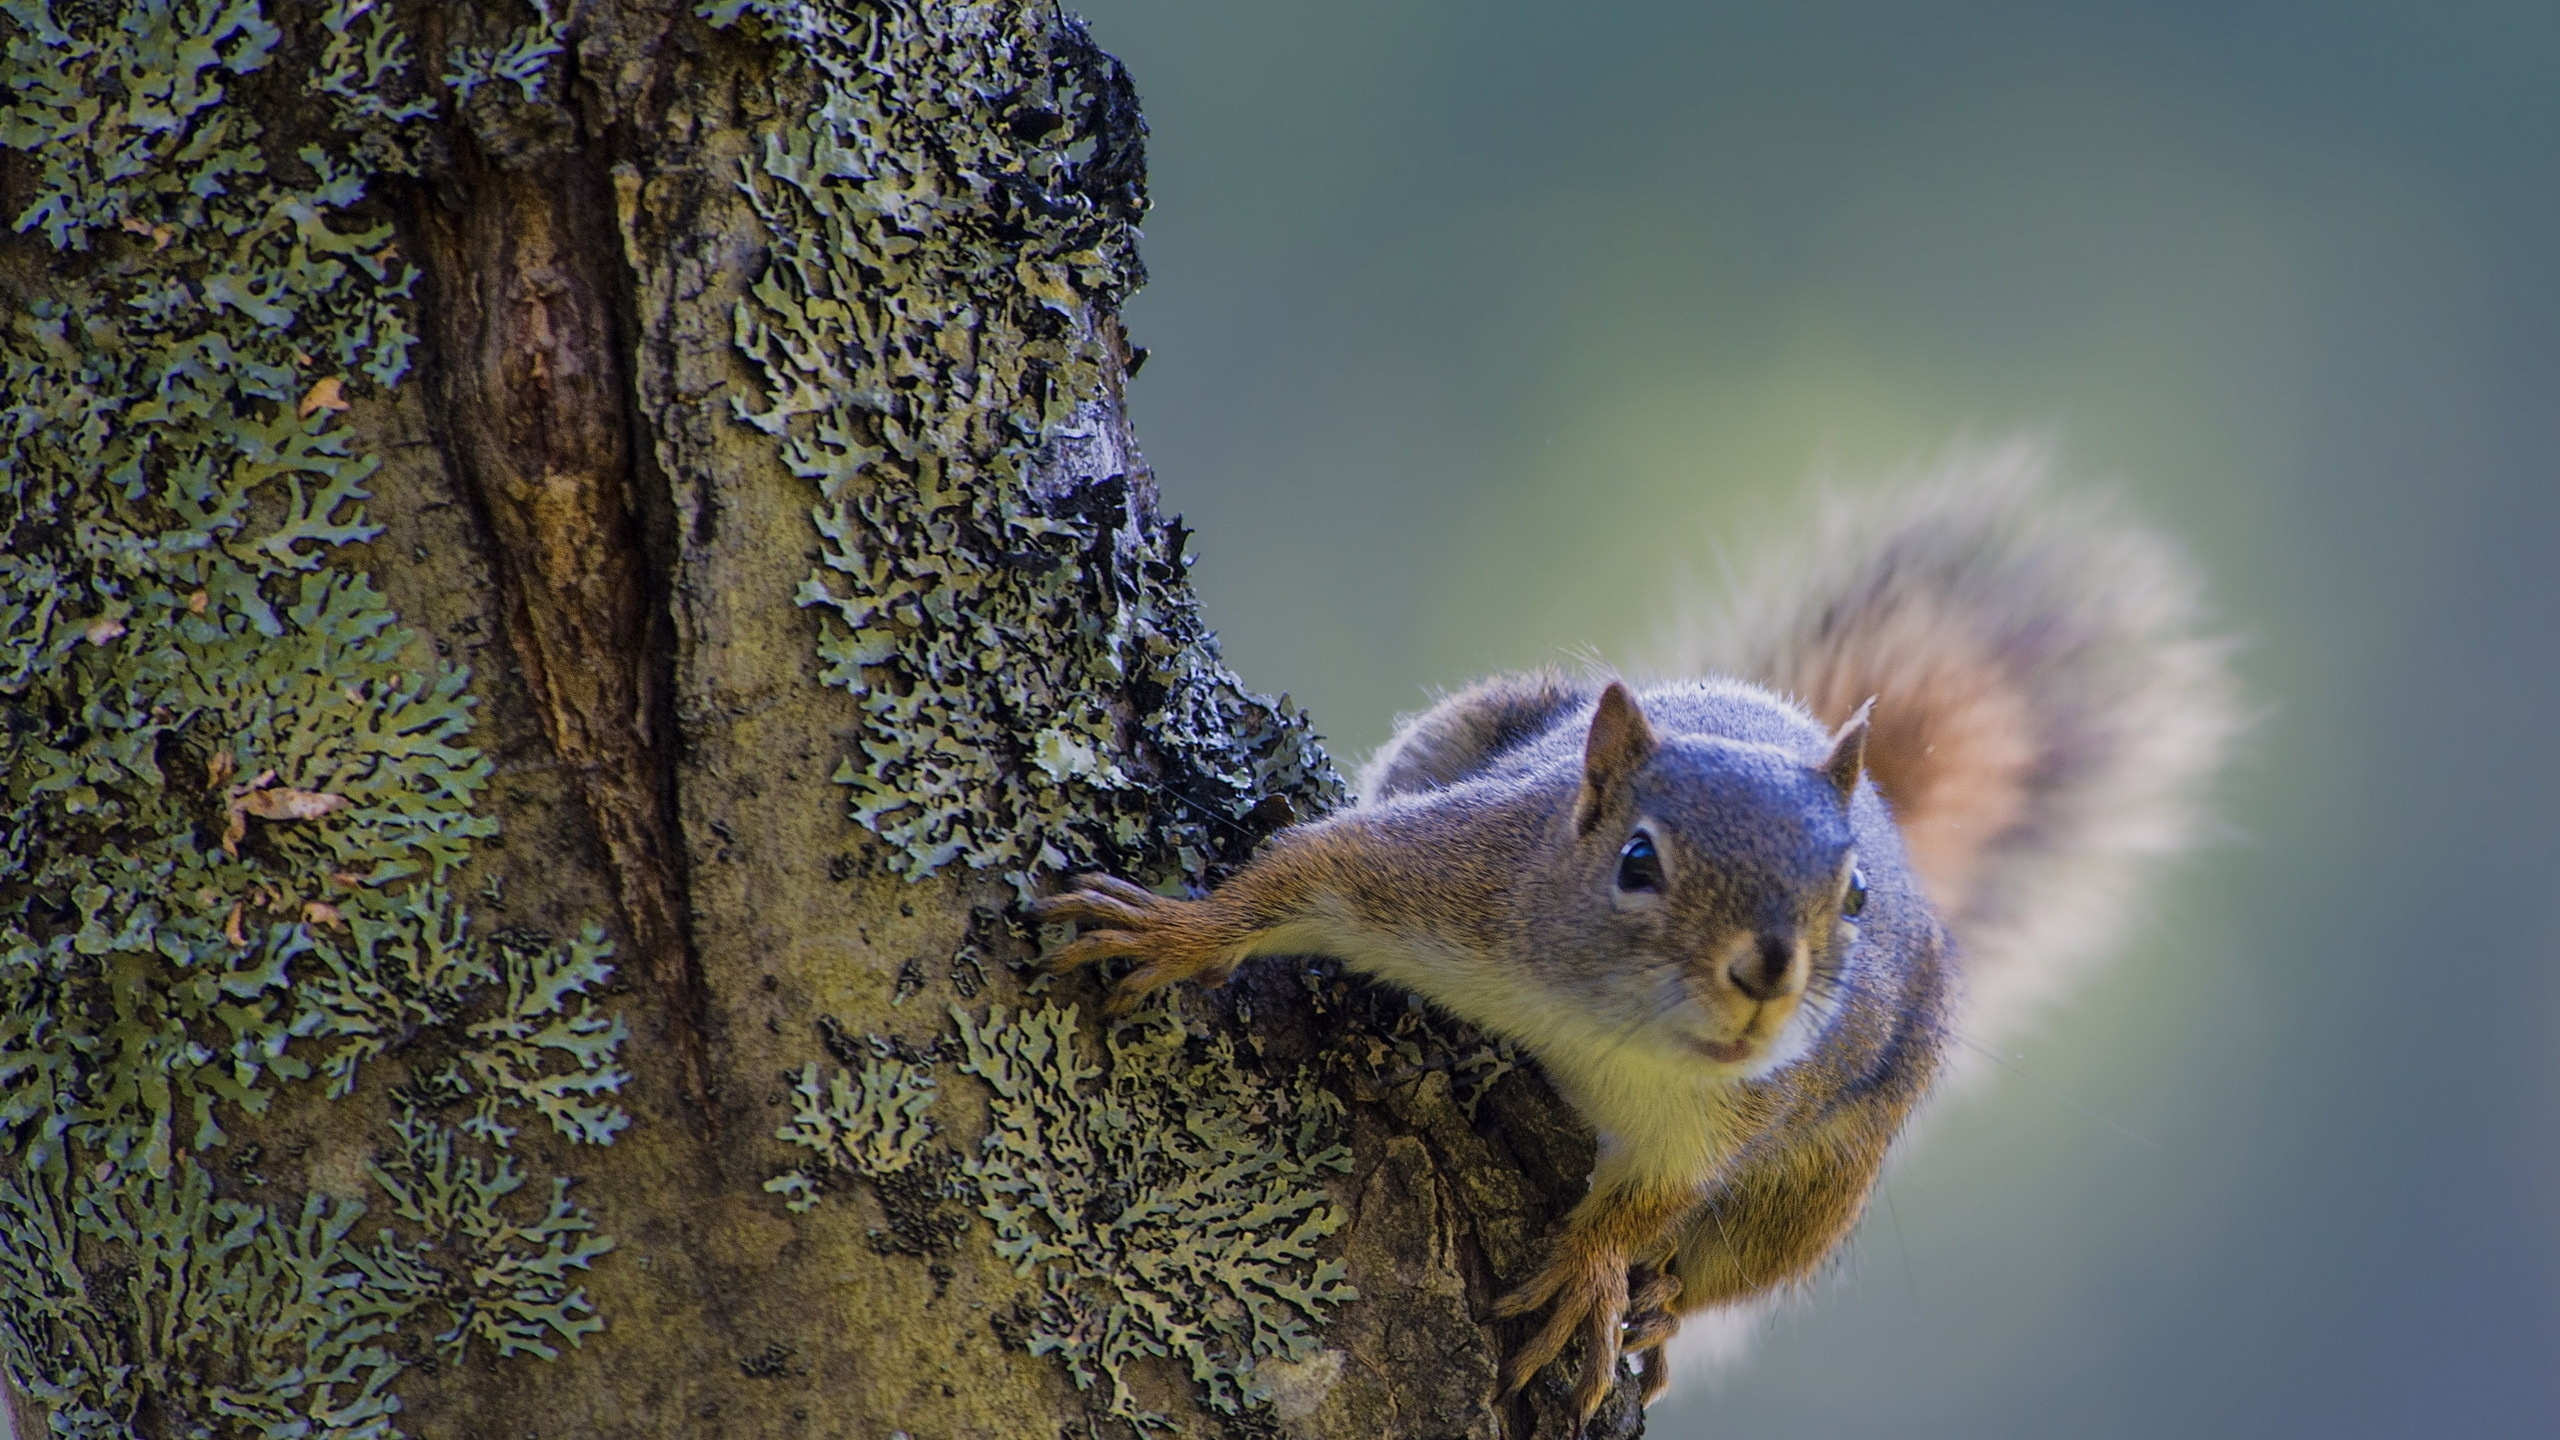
1584, 1285
1289, 900
1306, 895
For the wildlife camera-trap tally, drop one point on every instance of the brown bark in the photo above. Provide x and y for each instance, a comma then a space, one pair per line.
573, 472
526, 306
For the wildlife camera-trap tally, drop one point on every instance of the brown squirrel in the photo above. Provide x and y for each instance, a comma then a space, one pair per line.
1738, 922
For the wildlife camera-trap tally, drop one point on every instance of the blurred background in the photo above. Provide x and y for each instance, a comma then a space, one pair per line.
1476, 325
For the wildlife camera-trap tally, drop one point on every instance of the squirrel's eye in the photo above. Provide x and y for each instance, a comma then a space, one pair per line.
1639, 868
1856, 900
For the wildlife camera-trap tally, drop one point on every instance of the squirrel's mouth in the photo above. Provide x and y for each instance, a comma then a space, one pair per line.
1723, 1052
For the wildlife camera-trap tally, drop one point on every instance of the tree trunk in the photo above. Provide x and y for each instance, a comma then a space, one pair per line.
564, 573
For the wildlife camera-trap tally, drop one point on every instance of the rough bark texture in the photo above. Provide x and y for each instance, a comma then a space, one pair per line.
565, 570
525, 312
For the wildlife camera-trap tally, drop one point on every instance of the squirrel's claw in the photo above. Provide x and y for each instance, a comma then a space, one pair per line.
1650, 1323
1147, 979
1099, 899
1091, 946
1542, 1287
1649, 1330
1087, 908
1120, 889
1110, 887
1600, 1332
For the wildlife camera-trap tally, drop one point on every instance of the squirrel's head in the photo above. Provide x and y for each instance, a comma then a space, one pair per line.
1723, 876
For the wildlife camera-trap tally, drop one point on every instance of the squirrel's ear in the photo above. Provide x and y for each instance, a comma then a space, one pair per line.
1848, 757
1620, 741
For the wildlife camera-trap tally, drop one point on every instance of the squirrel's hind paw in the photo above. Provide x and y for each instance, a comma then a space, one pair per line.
1650, 1320
1656, 1377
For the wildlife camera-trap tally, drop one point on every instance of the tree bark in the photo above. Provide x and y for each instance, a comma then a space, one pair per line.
565, 572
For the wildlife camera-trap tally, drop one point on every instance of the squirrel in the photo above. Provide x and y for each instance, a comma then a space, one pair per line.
1740, 921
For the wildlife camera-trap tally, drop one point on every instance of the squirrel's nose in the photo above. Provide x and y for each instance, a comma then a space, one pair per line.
1760, 971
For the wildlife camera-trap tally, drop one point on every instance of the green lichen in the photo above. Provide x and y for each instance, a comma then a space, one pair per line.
222, 1317
233, 789
523, 58
415, 969
872, 1125
951, 228
870, 1121
495, 1277
366, 71
227, 1319
1167, 1201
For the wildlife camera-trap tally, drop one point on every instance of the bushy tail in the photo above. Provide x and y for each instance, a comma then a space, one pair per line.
2049, 705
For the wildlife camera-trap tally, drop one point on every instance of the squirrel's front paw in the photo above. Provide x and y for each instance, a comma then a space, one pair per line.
1586, 1290
1170, 939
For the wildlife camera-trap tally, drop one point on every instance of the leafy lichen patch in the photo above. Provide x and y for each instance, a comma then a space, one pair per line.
872, 1124
950, 230
496, 1277
522, 58
1166, 1199
872, 1121
415, 968
219, 1315
226, 1318
234, 791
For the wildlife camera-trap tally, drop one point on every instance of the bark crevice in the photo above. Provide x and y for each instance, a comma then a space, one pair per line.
532, 329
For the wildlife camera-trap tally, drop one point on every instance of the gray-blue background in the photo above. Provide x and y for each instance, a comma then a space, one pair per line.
1475, 325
